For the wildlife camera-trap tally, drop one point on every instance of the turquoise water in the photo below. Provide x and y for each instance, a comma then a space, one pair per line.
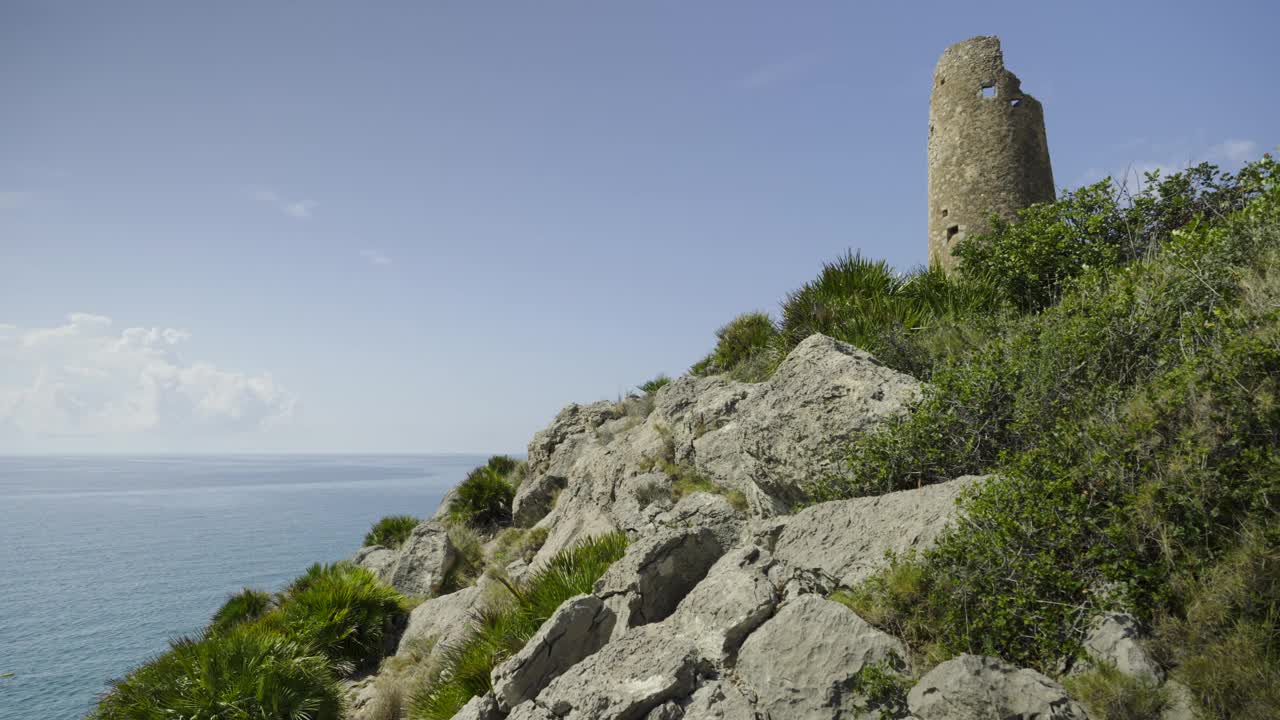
102, 560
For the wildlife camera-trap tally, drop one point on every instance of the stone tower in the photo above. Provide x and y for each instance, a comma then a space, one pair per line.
987, 147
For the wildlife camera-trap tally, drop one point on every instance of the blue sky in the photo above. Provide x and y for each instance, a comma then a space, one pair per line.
327, 227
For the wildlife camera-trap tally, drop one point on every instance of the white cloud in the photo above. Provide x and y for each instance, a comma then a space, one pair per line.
15, 199
777, 71
300, 209
375, 257
84, 378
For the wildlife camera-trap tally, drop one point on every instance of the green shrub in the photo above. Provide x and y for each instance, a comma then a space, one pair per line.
885, 689
747, 341
483, 500
1134, 426
391, 531
313, 573
501, 630
246, 605
348, 614
1033, 259
502, 464
1109, 694
249, 673
1222, 634
469, 563
653, 386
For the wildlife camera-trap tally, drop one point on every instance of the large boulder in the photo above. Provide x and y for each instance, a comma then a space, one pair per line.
440, 622
1113, 638
844, 541
656, 573
733, 600
425, 558
554, 449
803, 662
973, 687
794, 427
578, 628
379, 560
624, 680
534, 499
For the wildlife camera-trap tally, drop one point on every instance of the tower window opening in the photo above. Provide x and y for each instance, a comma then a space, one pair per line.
944, 212
1015, 102
988, 90
952, 231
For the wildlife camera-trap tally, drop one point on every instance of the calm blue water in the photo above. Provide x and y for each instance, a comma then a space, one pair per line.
102, 560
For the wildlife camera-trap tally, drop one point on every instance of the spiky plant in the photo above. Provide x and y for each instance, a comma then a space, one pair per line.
483, 500
347, 614
246, 605
391, 531
249, 673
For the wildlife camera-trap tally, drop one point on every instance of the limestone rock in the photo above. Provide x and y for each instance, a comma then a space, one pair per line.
578, 628
733, 600
440, 622
442, 510
656, 573
1180, 702
534, 499
846, 540
973, 687
377, 559
792, 428
425, 558
480, 707
1113, 638
625, 680
553, 449
801, 663
705, 510
719, 701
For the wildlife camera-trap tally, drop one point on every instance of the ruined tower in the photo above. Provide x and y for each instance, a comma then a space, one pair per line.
987, 147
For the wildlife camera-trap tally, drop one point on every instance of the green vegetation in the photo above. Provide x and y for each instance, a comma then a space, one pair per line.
686, 481
746, 349
1109, 694
249, 673
347, 614
483, 500
391, 531
1132, 412
246, 605
470, 564
653, 386
502, 628
256, 662
885, 689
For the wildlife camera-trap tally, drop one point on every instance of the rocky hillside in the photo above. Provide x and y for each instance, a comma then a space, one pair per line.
722, 606
1042, 489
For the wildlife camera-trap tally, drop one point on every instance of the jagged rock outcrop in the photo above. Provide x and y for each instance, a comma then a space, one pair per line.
534, 499
630, 676
656, 573
441, 621
733, 600
974, 687
758, 440
424, 560
578, 628
842, 542
802, 662
379, 560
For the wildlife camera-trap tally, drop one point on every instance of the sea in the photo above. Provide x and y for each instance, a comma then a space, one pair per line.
104, 559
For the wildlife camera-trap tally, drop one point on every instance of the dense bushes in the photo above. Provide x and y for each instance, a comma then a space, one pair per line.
746, 348
391, 531
1135, 428
1032, 260
483, 500
502, 628
250, 673
246, 605
255, 662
